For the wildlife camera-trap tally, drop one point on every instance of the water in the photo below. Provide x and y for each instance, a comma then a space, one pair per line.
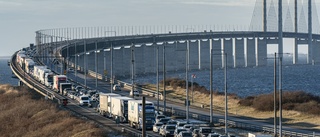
253, 81
6, 73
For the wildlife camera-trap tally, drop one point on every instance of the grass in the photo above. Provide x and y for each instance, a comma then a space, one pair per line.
295, 117
25, 113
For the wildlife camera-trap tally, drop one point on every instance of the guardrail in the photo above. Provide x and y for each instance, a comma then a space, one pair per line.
25, 78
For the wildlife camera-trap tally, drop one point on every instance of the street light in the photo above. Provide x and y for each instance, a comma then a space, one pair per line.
275, 92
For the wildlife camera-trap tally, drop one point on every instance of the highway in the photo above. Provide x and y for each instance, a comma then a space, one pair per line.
200, 113
85, 112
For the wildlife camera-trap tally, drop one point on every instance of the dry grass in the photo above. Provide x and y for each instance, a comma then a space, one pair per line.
23, 115
293, 118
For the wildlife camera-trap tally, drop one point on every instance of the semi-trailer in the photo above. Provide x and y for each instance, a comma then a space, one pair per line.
29, 64
57, 80
119, 108
135, 114
42, 74
48, 79
105, 103
36, 71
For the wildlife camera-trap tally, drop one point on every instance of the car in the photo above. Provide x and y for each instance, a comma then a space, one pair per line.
172, 122
78, 88
204, 131
116, 87
156, 127
66, 90
70, 70
84, 100
185, 134
180, 124
70, 94
167, 130
177, 131
134, 93
164, 120
214, 135
195, 133
188, 127
158, 117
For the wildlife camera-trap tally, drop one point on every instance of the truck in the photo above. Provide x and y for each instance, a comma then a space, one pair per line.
29, 64
135, 114
64, 86
57, 80
42, 73
105, 103
48, 79
119, 108
36, 71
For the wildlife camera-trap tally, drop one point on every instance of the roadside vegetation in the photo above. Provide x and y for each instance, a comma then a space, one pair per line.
25, 113
296, 100
300, 109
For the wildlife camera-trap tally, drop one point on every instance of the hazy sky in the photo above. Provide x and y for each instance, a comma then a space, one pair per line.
19, 19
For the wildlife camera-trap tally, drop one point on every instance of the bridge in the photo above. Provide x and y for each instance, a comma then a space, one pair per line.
130, 51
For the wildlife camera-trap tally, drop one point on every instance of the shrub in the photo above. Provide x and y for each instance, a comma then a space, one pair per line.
248, 101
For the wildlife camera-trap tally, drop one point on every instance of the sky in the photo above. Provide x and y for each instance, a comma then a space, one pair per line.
19, 19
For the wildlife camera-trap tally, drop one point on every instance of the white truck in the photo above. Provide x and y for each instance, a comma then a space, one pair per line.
36, 71
65, 86
135, 114
57, 80
42, 74
119, 108
48, 79
105, 103
29, 64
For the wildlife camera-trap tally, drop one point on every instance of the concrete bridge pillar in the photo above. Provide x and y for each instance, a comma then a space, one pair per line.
250, 57
205, 54
125, 67
193, 55
228, 48
239, 53
108, 63
295, 51
170, 56
149, 59
217, 53
180, 55
261, 52
316, 51
119, 60
139, 59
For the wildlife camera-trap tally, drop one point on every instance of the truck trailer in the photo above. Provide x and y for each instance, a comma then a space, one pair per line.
119, 108
135, 114
64, 86
29, 63
57, 80
36, 71
48, 79
42, 74
105, 103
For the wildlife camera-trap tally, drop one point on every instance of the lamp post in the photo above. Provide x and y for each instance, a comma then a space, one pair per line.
164, 77
111, 65
275, 93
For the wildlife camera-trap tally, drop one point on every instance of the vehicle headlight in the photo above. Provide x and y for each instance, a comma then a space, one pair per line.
167, 132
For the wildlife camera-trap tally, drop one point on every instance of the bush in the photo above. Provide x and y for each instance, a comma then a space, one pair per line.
298, 101
248, 101
23, 113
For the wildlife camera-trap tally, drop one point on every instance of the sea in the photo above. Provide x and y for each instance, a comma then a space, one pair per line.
241, 81
253, 81
6, 76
